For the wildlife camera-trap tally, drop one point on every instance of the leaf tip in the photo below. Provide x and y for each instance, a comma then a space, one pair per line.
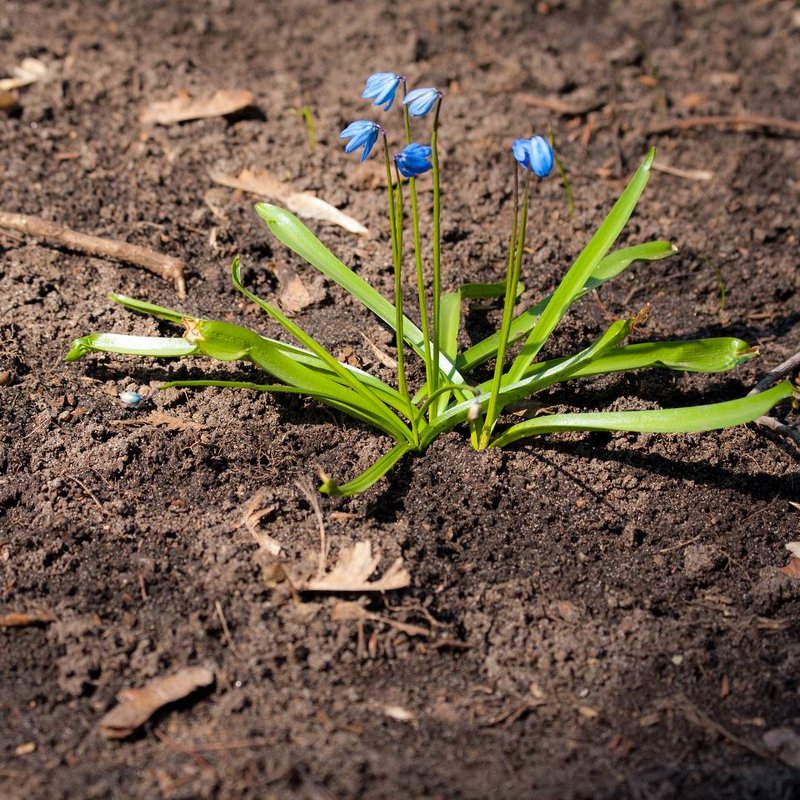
649, 159
328, 485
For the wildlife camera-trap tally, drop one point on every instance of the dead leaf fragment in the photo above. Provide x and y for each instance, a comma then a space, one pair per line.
304, 204
785, 744
29, 71
20, 619
399, 713
254, 512
159, 419
792, 569
138, 705
351, 573
9, 101
184, 107
294, 296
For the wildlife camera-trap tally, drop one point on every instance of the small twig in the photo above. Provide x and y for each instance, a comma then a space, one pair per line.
724, 121
165, 267
694, 715
557, 106
688, 174
788, 367
681, 545
89, 492
225, 631
781, 371
311, 496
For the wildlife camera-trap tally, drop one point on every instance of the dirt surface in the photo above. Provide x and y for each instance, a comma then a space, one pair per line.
597, 616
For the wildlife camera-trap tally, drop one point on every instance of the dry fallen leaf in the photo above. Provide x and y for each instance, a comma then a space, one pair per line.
304, 204
184, 108
254, 513
792, 569
159, 419
399, 713
9, 100
19, 619
294, 296
351, 573
28, 72
785, 744
138, 705
345, 610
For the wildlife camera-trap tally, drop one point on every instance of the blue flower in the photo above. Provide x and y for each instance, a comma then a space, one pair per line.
362, 133
381, 88
534, 154
413, 160
421, 101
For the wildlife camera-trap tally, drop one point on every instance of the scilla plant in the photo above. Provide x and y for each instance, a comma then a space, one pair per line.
448, 396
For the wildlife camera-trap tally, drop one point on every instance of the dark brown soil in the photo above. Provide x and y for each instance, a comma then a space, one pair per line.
606, 615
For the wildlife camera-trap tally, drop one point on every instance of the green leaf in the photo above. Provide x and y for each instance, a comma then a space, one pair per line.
691, 419
580, 272
611, 266
298, 238
368, 397
557, 371
696, 355
368, 477
148, 308
155, 346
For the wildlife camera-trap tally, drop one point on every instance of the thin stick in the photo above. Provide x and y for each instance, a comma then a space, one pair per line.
688, 174
778, 373
225, 631
766, 422
724, 121
311, 496
166, 267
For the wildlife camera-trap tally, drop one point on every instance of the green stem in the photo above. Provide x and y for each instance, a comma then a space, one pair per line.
421, 298
515, 249
395, 218
437, 255
398, 294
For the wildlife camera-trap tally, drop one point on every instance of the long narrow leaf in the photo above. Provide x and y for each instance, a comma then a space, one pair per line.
585, 264
510, 392
691, 419
695, 355
352, 409
297, 237
369, 476
369, 398
611, 266
155, 346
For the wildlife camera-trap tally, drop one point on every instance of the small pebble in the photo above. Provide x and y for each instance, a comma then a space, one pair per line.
130, 399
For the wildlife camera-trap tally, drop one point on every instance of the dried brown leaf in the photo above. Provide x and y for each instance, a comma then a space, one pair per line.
9, 100
161, 420
138, 705
19, 619
785, 744
29, 71
792, 569
184, 107
304, 204
351, 573
254, 513
294, 296
345, 610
